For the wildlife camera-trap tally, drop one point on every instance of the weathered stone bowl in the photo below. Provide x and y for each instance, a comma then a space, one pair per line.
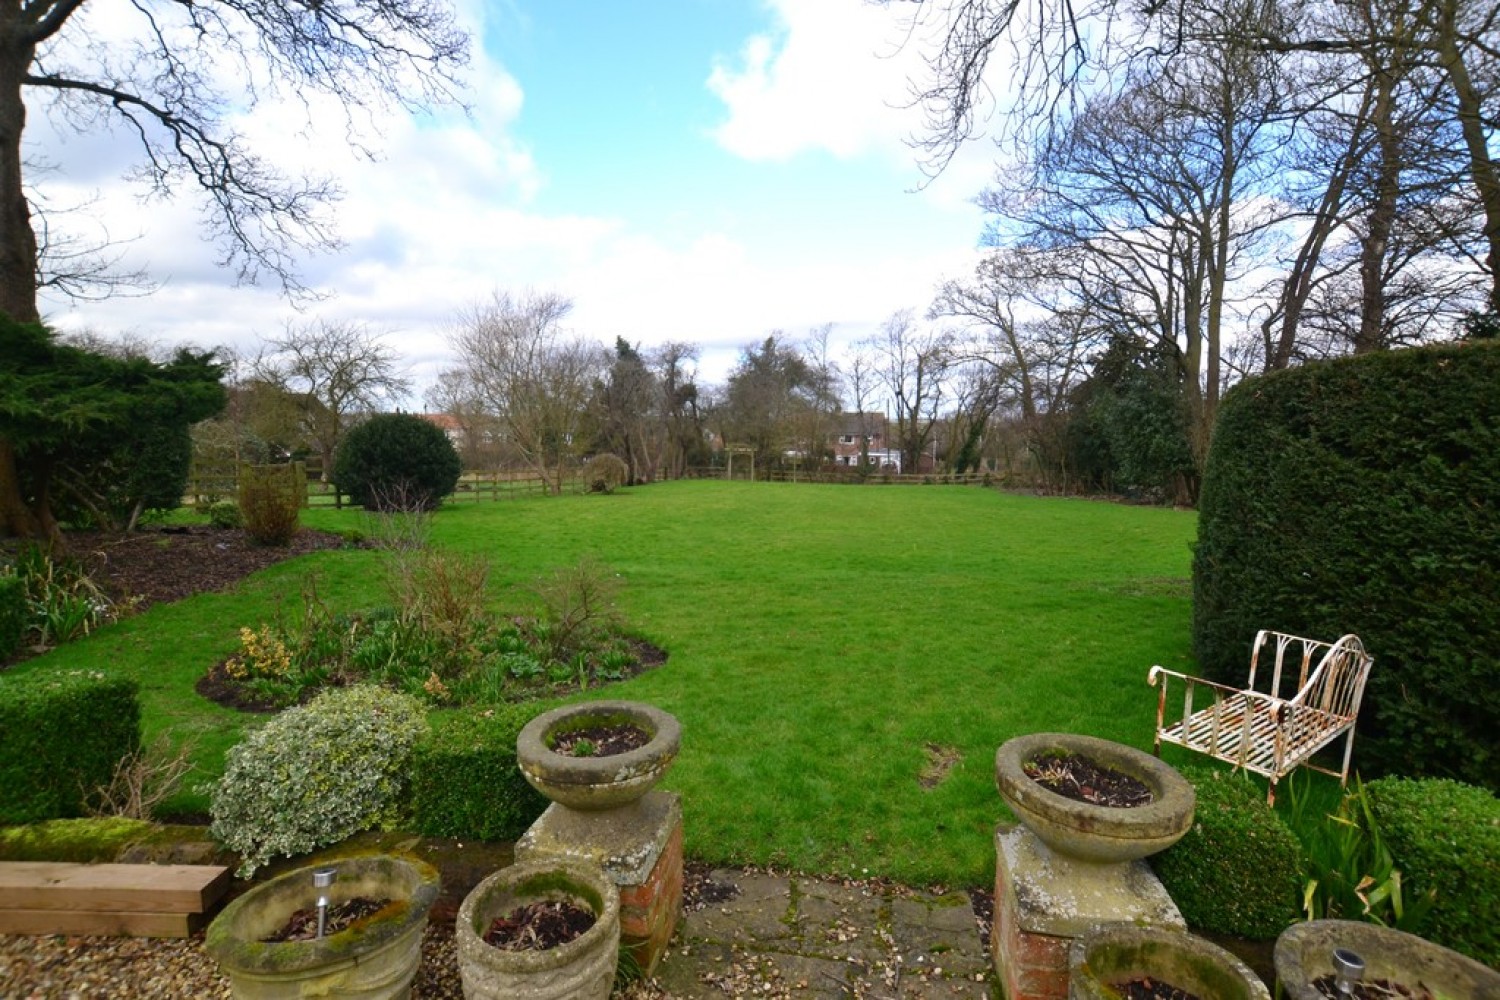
591, 784
581, 969
1304, 953
1082, 830
373, 959
1113, 953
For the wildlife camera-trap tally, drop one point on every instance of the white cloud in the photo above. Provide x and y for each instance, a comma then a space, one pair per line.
832, 76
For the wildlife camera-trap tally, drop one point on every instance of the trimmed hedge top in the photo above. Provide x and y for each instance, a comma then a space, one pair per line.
1363, 495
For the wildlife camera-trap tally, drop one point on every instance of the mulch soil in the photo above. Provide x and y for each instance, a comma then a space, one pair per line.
1152, 989
302, 925
158, 565
1079, 778
602, 741
538, 926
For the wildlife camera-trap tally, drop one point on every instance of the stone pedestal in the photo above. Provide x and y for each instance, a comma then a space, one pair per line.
1044, 900
639, 846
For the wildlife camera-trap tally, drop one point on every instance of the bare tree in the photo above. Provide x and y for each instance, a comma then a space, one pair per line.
334, 372
912, 364
172, 73
682, 440
455, 395
533, 376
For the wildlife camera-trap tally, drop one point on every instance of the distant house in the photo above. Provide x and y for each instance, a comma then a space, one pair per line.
448, 424
862, 437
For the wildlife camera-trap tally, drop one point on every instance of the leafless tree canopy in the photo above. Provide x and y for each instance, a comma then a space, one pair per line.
173, 77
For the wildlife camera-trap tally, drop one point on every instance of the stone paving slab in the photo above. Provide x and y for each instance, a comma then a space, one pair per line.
797, 937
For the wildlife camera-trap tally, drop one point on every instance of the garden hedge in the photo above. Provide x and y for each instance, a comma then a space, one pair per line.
465, 782
61, 737
1239, 869
1363, 495
1445, 836
13, 614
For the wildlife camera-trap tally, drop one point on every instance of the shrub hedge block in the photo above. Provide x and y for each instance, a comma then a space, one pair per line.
1445, 835
1363, 495
465, 782
13, 616
61, 737
1239, 870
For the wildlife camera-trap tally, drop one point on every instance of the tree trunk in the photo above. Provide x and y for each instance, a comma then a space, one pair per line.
17, 238
1372, 252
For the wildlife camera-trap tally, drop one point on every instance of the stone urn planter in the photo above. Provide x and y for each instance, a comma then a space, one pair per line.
581, 969
1109, 955
1085, 831
375, 958
1305, 954
595, 784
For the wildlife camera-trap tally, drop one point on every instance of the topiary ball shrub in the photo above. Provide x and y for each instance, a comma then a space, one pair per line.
465, 782
225, 515
1239, 870
396, 462
317, 774
1363, 495
1445, 836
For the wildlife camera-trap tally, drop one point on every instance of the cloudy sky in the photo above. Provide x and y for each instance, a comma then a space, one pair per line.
696, 170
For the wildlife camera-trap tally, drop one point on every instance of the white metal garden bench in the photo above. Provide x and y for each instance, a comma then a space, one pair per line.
1272, 729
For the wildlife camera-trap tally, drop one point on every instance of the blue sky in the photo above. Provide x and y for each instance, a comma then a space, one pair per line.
698, 170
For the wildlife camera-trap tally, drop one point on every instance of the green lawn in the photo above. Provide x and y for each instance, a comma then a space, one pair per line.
820, 638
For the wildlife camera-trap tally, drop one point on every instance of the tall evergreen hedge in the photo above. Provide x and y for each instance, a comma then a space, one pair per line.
1363, 495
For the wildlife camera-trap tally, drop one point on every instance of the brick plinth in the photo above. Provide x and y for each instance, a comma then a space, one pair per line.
649, 911
1043, 901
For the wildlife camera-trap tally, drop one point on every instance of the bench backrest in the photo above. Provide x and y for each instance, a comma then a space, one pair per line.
1322, 675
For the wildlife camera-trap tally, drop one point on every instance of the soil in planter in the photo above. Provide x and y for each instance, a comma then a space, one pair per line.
1373, 989
1079, 778
601, 741
539, 926
1152, 989
303, 924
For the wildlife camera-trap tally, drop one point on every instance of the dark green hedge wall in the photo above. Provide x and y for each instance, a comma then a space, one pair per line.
60, 737
1363, 495
465, 781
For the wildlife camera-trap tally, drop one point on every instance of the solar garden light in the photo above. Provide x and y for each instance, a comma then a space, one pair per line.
322, 879
1347, 967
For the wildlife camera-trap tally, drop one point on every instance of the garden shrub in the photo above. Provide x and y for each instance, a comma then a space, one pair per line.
1445, 837
396, 461
465, 782
62, 735
1239, 869
605, 473
316, 774
1363, 495
13, 614
270, 501
225, 514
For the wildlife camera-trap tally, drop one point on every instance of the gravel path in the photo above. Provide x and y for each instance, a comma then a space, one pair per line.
86, 968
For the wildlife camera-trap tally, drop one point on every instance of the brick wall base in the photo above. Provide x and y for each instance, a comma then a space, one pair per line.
1030, 966
649, 910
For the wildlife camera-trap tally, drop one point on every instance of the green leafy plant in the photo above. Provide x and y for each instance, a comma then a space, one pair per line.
1351, 872
62, 602
396, 461
1446, 837
14, 617
225, 515
1239, 869
318, 773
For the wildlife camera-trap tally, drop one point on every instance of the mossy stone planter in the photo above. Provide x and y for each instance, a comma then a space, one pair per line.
1304, 953
373, 959
581, 969
593, 784
1110, 954
1083, 830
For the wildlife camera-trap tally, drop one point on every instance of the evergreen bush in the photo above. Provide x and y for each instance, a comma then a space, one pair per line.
1239, 869
60, 736
1445, 837
13, 614
465, 781
225, 514
396, 461
1363, 495
317, 774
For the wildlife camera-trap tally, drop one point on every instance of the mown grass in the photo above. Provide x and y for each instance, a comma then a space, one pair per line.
821, 638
